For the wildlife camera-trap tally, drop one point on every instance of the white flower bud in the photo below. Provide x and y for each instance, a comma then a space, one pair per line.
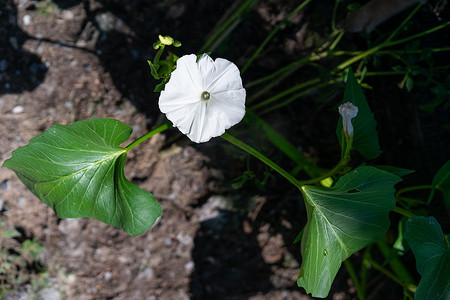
348, 111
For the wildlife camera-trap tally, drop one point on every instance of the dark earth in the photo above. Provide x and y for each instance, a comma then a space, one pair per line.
87, 59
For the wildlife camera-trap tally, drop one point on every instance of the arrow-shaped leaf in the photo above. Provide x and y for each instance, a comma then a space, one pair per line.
441, 181
342, 220
365, 138
78, 170
432, 252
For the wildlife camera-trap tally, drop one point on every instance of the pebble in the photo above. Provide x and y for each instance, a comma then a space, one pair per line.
14, 43
4, 185
18, 109
3, 65
68, 15
148, 273
107, 276
21, 203
50, 293
189, 266
26, 20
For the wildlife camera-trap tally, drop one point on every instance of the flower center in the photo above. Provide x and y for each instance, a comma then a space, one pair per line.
205, 95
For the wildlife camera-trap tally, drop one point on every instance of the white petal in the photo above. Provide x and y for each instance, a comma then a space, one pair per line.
228, 106
201, 119
186, 76
227, 77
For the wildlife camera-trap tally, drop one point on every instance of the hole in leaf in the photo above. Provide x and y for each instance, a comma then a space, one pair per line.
353, 191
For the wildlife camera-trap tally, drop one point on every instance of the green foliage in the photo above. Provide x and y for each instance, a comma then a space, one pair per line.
432, 251
19, 262
441, 181
78, 170
365, 137
342, 220
46, 7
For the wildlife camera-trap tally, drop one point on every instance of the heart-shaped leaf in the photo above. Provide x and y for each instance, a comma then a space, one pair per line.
342, 220
432, 252
365, 136
78, 170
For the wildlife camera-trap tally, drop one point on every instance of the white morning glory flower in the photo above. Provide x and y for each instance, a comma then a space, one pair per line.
348, 111
203, 98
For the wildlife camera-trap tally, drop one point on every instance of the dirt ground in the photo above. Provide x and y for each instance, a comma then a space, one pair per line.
87, 59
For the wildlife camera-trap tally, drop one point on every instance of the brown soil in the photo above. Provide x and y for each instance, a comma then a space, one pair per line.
88, 60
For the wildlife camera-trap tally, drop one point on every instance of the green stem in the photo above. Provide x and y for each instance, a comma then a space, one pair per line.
276, 77
298, 95
262, 158
351, 271
286, 92
147, 136
345, 157
272, 34
158, 54
386, 44
413, 188
403, 212
333, 16
395, 264
223, 30
394, 33
383, 270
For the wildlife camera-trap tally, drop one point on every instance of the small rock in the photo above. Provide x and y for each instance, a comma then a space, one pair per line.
26, 20
14, 43
3, 65
106, 21
50, 293
189, 266
4, 185
68, 15
1, 202
18, 109
107, 276
148, 273
21, 203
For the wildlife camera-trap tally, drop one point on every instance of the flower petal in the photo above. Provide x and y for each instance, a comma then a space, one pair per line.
202, 119
226, 77
186, 76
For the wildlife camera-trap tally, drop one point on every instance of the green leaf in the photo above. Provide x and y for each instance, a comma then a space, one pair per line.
365, 137
9, 233
342, 220
432, 251
441, 181
154, 69
78, 170
286, 147
400, 172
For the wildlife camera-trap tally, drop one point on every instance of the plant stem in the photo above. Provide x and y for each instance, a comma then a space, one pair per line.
158, 54
403, 212
345, 157
147, 136
238, 143
388, 43
272, 34
396, 265
224, 29
413, 188
383, 270
351, 271
286, 92
394, 33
